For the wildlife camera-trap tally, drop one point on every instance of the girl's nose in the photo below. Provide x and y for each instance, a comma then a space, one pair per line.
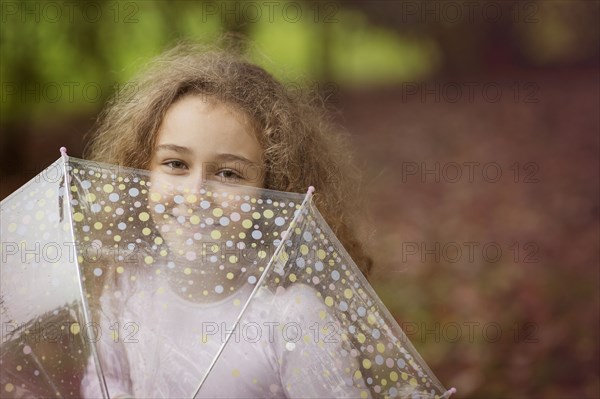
193, 182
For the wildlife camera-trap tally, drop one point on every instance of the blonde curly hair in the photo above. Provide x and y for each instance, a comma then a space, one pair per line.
301, 146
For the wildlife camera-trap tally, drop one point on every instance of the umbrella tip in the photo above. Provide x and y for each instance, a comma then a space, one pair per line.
311, 189
63, 151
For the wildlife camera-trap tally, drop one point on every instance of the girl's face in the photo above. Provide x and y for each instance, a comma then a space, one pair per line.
200, 141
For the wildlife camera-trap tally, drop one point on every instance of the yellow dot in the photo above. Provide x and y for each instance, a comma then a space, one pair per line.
91, 197
144, 216
78, 217
268, 214
158, 240
120, 269
9, 387
303, 249
255, 215
247, 223
322, 314
235, 373
284, 256
121, 186
361, 338
75, 329
366, 363
217, 212
229, 276
195, 219
394, 376
107, 209
191, 198
348, 293
413, 382
108, 188
146, 231
262, 254
236, 302
187, 270
292, 277
215, 234
155, 197
404, 376
364, 394
321, 254
39, 215
371, 318
149, 260
380, 347
357, 374
329, 301
97, 225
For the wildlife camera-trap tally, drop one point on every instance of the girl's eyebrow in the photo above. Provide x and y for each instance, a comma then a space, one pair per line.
225, 157
173, 147
233, 157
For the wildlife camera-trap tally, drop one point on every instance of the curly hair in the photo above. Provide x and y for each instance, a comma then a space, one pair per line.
301, 145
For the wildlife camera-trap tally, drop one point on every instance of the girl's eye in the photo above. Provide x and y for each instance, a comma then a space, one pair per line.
175, 164
229, 174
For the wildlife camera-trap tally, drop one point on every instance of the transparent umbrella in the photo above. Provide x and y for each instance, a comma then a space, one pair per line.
117, 282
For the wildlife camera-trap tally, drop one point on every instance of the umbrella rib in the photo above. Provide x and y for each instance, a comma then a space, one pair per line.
85, 306
285, 235
42, 370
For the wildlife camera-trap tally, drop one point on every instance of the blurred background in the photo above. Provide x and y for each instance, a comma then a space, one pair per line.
476, 125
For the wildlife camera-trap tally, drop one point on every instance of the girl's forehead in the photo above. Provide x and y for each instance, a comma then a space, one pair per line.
199, 110
208, 127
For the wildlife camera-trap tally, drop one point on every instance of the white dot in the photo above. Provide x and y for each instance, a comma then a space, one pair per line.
256, 234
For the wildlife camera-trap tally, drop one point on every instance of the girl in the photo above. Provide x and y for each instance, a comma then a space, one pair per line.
193, 117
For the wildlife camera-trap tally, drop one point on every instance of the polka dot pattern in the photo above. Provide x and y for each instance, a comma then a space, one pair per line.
201, 246
44, 334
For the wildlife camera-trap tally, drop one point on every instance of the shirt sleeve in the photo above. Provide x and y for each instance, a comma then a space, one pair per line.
314, 356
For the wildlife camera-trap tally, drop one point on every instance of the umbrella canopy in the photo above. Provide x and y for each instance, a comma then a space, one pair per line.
156, 290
